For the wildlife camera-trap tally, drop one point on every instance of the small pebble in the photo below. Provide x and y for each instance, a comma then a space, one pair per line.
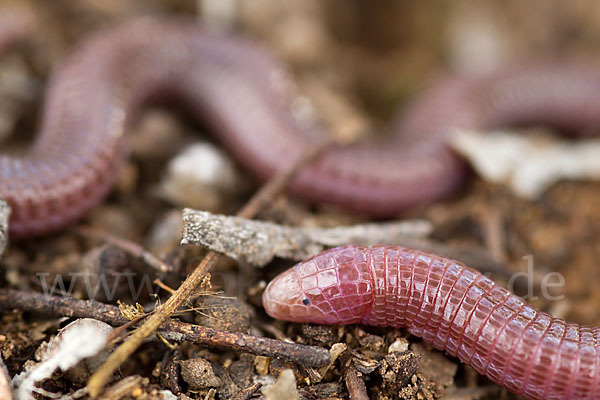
224, 313
399, 345
397, 369
371, 342
202, 177
167, 395
325, 334
198, 374
261, 364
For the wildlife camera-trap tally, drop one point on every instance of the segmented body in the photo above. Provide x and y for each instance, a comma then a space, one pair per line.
450, 306
245, 95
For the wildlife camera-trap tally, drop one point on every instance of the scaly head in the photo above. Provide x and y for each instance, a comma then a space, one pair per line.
334, 287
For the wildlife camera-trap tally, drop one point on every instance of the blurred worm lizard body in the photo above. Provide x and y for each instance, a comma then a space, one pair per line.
450, 306
246, 97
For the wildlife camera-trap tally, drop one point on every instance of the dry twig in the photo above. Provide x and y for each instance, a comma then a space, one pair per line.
172, 330
127, 246
257, 242
188, 287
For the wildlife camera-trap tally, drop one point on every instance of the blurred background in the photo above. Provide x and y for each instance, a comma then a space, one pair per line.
369, 56
358, 62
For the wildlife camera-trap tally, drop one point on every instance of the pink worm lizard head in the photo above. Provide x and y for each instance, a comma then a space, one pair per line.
451, 307
318, 290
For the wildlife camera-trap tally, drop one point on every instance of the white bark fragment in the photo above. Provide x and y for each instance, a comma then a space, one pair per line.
284, 389
528, 164
257, 242
80, 339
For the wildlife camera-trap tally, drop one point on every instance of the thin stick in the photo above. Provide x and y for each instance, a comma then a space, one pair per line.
132, 248
272, 188
172, 329
265, 195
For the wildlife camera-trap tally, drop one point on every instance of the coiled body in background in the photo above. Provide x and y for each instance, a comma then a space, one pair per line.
450, 306
245, 96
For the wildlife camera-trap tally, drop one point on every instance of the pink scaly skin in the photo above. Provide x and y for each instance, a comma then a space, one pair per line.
451, 307
245, 96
